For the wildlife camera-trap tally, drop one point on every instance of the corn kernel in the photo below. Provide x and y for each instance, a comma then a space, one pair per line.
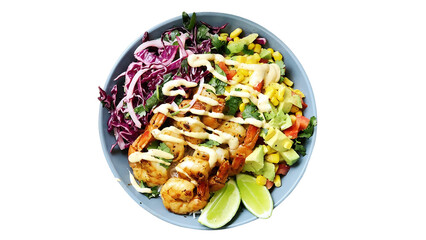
288, 144
251, 60
238, 77
293, 118
274, 101
270, 93
294, 109
245, 72
236, 33
298, 92
273, 158
245, 100
299, 113
242, 106
222, 38
257, 48
228, 88
270, 150
224, 34
261, 180
270, 50
277, 56
241, 59
256, 57
236, 39
251, 46
277, 181
230, 42
288, 82
280, 94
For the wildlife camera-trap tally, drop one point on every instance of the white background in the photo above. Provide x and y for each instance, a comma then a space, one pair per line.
366, 64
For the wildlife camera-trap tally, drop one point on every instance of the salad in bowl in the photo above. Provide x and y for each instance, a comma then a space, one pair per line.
208, 117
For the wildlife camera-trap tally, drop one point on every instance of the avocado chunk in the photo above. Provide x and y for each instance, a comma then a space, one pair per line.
278, 140
268, 171
296, 100
255, 162
290, 156
249, 38
238, 46
235, 47
287, 103
265, 54
281, 120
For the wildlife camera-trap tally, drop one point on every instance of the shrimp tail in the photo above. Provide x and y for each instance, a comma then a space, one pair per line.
146, 137
244, 150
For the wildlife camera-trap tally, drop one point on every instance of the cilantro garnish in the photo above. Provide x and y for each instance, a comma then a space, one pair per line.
251, 111
218, 85
210, 143
232, 105
299, 142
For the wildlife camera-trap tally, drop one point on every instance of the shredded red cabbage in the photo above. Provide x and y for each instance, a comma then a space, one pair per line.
156, 61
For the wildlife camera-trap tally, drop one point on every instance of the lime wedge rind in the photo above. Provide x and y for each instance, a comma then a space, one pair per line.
256, 199
222, 207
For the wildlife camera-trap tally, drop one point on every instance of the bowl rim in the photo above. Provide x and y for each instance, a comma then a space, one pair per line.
310, 93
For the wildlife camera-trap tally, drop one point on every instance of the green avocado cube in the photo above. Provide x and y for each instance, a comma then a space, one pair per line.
265, 54
255, 161
268, 171
278, 140
287, 103
290, 156
296, 100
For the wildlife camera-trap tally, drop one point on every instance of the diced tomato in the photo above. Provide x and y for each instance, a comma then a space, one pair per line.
269, 184
223, 66
292, 131
259, 86
283, 169
229, 73
262, 60
300, 124
304, 105
303, 121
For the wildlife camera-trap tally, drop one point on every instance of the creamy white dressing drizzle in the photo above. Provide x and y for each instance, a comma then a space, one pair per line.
136, 185
210, 151
148, 156
168, 86
180, 170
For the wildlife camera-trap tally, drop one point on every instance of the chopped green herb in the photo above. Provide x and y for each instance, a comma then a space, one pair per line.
299, 142
251, 111
218, 45
210, 143
202, 33
189, 22
218, 85
232, 105
247, 51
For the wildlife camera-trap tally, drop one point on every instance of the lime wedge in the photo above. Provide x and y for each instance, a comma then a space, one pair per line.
256, 198
222, 206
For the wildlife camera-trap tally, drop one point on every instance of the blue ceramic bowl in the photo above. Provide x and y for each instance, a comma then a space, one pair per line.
117, 160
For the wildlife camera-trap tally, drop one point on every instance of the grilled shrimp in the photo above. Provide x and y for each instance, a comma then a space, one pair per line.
177, 149
187, 126
235, 129
193, 169
146, 137
182, 197
189, 192
244, 150
151, 173
219, 174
